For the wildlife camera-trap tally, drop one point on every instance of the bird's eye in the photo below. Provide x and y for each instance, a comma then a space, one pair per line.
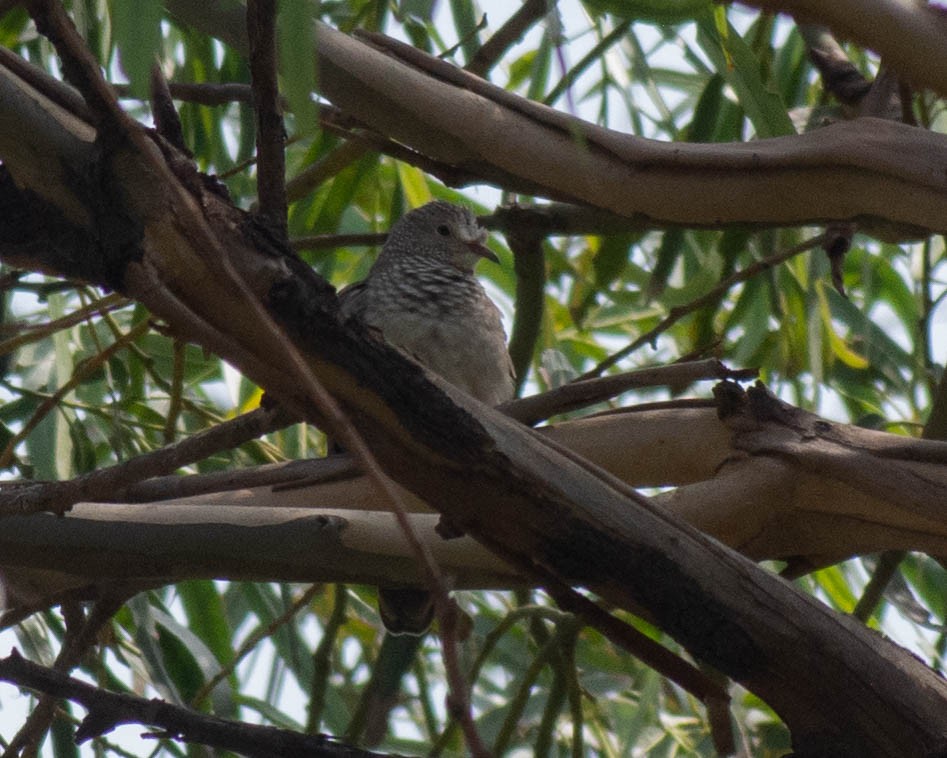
443, 230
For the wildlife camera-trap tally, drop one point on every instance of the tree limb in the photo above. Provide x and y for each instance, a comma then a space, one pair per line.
546, 511
107, 710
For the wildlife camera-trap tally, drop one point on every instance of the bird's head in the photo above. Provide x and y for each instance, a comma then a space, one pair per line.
443, 232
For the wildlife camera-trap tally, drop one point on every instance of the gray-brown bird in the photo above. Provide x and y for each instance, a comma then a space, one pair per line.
422, 296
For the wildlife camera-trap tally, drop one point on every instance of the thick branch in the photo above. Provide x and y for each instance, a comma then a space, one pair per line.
867, 170
910, 36
546, 511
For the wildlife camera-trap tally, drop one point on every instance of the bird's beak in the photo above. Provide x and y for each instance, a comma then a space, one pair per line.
479, 248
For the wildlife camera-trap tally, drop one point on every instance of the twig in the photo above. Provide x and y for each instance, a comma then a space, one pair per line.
329, 241
584, 392
57, 91
78, 64
678, 312
286, 475
252, 641
204, 93
34, 332
506, 36
83, 370
114, 482
271, 134
638, 644
81, 634
167, 121
492, 639
106, 710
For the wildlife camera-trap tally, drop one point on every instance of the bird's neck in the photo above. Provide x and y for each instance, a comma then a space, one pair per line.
423, 267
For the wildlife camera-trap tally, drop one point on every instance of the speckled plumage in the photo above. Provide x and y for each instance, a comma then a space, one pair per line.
423, 297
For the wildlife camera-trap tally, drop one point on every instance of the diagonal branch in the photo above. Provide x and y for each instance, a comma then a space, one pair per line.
868, 170
530, 501
680, 311
109, 483
506, 36
909, 36
107, 710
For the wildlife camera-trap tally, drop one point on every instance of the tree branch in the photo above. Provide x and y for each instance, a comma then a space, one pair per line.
111, 482
531, 502
506, 36
454, 117
107, 710
270, 133
678, 312
909, 36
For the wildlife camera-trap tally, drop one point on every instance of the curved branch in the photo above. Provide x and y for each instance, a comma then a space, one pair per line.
546, 511
881, 174
910, 36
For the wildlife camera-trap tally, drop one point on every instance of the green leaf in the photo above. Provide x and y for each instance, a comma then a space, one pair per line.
136, 25
733, 59
465, 24
297, 52
652, 11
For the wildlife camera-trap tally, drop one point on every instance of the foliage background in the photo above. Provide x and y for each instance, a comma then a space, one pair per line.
87, 382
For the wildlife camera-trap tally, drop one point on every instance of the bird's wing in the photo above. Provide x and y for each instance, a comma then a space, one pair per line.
352, 300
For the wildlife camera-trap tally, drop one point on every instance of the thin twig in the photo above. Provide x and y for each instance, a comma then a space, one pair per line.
678, 312
109, 709
115, 482
29, 333
638, 644
167, 120
203, 93
81, 634
270, 132
79, 374
57, 91
506, 36
329, 241
252, 640
585, 392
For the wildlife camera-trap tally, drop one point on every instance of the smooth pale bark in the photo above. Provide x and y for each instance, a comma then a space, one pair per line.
766, 506
887, 175
195, 262
910, 36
